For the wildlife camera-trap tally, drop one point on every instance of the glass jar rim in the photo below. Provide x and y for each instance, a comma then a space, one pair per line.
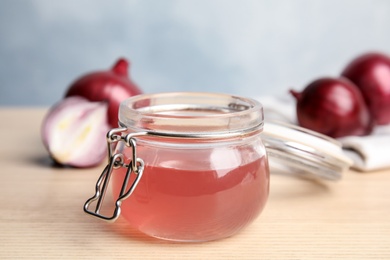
191, 115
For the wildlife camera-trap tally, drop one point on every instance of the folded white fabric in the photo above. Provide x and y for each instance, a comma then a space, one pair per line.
368, 153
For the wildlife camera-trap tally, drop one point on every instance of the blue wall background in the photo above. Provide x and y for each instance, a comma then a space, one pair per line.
249, 48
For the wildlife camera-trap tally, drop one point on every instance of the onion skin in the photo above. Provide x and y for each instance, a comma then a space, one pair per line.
112, 86
333, 107
371, 74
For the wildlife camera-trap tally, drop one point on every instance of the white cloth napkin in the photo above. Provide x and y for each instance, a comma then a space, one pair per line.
368, 153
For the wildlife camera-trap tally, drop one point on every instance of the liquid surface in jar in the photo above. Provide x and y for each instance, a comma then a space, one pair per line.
196, 196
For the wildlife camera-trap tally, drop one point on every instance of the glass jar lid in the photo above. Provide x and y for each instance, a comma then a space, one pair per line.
299, 151
291, 149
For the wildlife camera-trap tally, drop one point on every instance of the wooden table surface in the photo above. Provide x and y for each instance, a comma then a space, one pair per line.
41, 215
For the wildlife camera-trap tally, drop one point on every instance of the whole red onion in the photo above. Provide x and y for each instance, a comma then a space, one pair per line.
371, 74
112, 86
334, 107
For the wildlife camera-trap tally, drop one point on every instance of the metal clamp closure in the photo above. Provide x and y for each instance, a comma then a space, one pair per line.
116, 161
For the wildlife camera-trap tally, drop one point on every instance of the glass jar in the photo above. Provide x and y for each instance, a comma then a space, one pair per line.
186, 166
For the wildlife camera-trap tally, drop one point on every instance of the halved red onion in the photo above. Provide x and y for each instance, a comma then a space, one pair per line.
74, 132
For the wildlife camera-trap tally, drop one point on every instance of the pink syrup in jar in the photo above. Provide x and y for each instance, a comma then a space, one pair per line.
196, 195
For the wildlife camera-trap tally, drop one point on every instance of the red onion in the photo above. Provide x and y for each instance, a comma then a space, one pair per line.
334, 107
74, 132
112, 86
371, 74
